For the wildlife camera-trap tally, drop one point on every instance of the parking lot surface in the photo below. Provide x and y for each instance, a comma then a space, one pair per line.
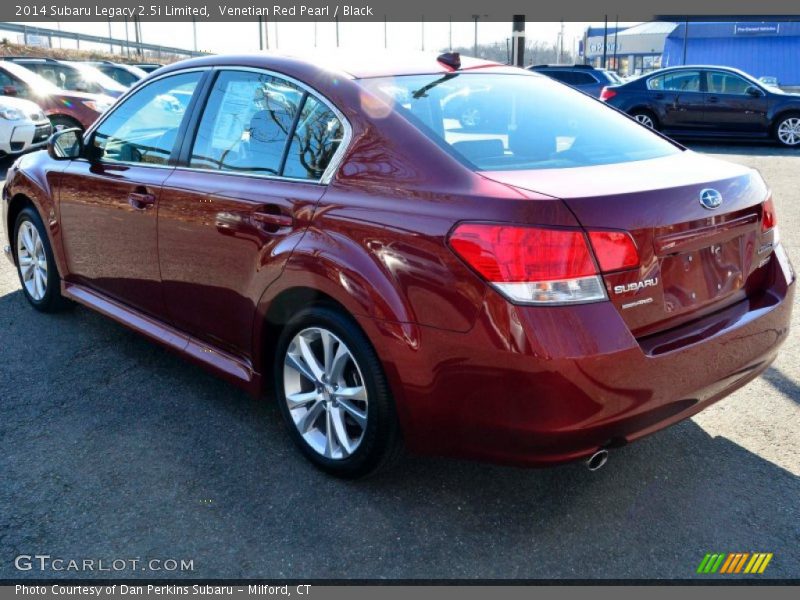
113, 448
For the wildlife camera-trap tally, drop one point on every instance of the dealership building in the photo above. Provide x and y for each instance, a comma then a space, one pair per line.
758, 48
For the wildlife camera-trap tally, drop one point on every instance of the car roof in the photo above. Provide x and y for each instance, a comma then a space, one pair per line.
352, 65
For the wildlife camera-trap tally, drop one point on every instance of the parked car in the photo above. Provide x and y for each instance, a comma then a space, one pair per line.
70, 76
23, 126
769, 80
585, 78
148, 67
125, 75
544, 290
64, 109
709, 102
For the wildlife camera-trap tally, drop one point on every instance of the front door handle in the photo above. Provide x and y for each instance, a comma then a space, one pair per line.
272, 221
141, 200
713, 99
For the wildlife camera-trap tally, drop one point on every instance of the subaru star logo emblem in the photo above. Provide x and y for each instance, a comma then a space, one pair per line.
710, 199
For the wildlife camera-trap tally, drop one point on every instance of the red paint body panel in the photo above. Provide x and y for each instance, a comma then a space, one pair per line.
199, 270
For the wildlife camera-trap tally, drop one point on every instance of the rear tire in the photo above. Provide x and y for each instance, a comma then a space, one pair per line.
646, 118
339, 411
36, 265
787, 130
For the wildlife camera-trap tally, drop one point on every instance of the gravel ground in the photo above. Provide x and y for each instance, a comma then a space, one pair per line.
113, 448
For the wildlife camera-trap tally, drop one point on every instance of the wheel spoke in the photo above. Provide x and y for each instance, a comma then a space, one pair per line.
39, 283
340, 431
301, 399
309, 358
310, 418
328, 343
329, 435
359, 416
338, 363
27, 241
27, 271
298, 364
358, 392
25, 260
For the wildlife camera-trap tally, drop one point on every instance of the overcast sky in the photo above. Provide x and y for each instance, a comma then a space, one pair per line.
243, 37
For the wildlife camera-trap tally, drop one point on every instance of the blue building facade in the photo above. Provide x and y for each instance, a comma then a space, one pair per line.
758, 48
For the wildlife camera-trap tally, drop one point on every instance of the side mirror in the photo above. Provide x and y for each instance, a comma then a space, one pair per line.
10, 90
753, 91
65, 144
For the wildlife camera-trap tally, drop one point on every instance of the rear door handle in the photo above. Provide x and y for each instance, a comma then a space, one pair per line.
713, 99
140, 200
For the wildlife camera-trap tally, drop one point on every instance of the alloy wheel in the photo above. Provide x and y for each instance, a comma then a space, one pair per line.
325, 393
645, 120
789, 131
32, 260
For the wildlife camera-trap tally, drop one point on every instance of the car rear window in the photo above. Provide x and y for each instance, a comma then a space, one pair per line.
515, 122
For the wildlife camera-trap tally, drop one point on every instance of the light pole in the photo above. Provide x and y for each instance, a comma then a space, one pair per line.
475, 46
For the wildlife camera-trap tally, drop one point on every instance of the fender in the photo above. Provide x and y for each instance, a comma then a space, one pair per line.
28, 177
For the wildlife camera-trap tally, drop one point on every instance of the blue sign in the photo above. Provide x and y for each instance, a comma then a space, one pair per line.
756, 29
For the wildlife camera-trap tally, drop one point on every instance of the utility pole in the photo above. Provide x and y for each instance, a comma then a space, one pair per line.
561, 45
276, 35
194, 32
127, 39
685, 39
337, 31
423, 33
261, 33
475, 48
110, 37
616, 31
385, 33
450, 34
518, 41
266, 35
605, 41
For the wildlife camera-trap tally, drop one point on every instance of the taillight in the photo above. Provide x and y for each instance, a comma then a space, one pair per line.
615, 250
536, 265
768, 217
607, 94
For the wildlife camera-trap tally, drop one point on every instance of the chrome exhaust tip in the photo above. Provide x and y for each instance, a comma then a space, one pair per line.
597, 460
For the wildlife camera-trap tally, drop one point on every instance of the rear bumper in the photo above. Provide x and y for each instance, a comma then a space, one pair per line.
538, 386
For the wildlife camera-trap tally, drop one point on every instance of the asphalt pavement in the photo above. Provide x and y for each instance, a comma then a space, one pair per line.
112, 448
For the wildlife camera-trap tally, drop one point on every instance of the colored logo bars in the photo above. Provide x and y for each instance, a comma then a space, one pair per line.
734, 562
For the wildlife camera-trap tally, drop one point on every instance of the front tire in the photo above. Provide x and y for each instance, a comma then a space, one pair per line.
787, 130
36, 265
333, 394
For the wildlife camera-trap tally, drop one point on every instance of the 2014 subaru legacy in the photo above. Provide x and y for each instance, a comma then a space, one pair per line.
543, 288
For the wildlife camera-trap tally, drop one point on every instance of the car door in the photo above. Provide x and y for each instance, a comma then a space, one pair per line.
735, 105
109, 198
240, 199
680, 98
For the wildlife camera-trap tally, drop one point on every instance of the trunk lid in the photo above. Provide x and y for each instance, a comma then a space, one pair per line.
694, 260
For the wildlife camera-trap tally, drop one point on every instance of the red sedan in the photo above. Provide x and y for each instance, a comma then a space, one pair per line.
543, 286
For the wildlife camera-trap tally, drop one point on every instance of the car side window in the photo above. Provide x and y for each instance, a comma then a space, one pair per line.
583, 79
680, 81
314, 142
144, 128
246, 123
727, 83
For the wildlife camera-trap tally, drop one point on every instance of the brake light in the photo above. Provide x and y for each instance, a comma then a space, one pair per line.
531, 265
615, 250
768, 217
607, 94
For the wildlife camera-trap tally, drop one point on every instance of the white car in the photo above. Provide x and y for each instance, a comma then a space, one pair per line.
23, 126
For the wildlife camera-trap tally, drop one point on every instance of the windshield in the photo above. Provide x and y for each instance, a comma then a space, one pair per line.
514, 122
39, 85
93, 75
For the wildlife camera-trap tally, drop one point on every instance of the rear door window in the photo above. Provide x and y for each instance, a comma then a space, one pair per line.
679, 81
261, 124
